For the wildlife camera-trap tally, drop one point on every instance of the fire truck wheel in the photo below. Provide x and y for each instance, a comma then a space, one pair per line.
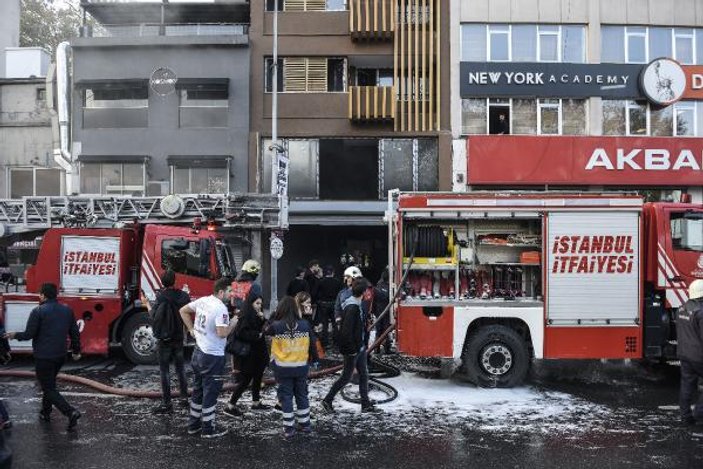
138, 341
496, 356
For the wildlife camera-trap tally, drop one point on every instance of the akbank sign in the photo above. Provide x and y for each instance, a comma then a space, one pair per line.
616, 161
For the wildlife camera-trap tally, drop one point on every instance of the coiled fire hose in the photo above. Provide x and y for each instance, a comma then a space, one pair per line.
139, 393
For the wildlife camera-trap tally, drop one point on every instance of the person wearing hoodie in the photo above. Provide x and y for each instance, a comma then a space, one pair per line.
353, 338
244, 284
291, 349
170, 348
251, 367
689, 334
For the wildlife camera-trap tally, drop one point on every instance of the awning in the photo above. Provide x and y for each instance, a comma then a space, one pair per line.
202, 82
114, 83
113, 158
199, 161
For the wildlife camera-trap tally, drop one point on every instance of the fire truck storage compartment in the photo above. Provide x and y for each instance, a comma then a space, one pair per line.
463, 260
15, 314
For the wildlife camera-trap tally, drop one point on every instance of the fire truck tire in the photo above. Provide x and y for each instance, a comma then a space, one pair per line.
138, 341
496, 356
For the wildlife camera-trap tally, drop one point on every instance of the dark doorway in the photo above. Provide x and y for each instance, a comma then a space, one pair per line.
348, 169
496, 123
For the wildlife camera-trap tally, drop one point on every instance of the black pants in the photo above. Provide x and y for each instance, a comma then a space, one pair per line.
47, 369
690, 373
242, 381
325, 317
381, 327
358, 361
168, 352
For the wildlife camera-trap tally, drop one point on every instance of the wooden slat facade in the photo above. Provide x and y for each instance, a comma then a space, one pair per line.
372, 19
371, 103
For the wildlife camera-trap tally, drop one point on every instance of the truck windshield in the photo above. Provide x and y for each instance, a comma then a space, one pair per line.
225, 260
687, 231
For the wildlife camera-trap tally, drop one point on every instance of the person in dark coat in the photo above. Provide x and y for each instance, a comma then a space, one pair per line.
298, 283
353, 338
251, 367
313, 274
5, 357
171, 349
381, 298
689, 334
47, 327
327, 291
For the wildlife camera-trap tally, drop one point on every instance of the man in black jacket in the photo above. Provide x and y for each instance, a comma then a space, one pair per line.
327, 292
689, 334
170, 347
48, 326
352, 344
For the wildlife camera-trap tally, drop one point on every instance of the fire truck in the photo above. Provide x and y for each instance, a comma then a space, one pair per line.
103, 252
490, 281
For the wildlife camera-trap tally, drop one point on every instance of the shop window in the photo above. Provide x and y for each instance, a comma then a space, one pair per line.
34, 182
548, 117
349, 169
112, 178
549, 44
187, 257
683, 42
307, 75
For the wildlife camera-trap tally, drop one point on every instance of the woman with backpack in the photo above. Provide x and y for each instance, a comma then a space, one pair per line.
291, 349
253, 356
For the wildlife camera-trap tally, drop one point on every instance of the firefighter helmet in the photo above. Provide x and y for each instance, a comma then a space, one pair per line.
695, 290
251, 266
353, 272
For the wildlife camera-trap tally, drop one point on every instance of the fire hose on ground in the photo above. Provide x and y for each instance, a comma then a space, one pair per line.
388, 370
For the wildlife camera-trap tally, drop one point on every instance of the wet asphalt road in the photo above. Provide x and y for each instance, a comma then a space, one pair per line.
590, 415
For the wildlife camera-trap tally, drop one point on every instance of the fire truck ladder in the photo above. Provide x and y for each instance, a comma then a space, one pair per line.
234, 210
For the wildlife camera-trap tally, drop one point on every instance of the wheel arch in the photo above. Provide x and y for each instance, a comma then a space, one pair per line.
118, 324
517, 324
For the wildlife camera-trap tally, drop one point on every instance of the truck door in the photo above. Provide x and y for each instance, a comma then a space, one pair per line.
191, 258
681, 261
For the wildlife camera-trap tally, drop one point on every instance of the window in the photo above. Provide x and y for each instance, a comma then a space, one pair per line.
408, 164
659, 42
303, 169
112, 178
115, 96
523, 43
687, 231
308, 75
34, 182
661, 121
684, 45
307, 5
187, 257
548, 117
41, 94
499, 43
685, 119
636, 44
612, 48
374, 77
524, 116
614, 120
200, 180
637, 118
204, 96
549, 44
204, 105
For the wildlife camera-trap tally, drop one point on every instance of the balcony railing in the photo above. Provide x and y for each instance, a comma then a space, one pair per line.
372, 19
155, 29
371, 103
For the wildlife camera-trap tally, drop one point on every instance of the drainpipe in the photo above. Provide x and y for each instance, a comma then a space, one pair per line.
62, 155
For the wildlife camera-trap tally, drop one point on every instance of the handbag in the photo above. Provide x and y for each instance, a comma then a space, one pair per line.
237, 347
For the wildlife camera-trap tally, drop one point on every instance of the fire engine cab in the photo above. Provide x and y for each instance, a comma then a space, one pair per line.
493, 280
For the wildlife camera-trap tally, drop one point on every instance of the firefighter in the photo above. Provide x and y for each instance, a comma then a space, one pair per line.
245, 284
689, 333
48, 326
350, 273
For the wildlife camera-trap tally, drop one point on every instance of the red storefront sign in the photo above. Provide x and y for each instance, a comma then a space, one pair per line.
617, 161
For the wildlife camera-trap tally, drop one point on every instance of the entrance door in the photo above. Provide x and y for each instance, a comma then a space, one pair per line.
498, 119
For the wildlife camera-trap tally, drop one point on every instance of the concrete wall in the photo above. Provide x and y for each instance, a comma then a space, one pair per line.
188, 57
25, 128
9, 29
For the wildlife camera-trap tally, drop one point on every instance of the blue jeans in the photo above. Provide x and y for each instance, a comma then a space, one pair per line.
207, 383
288, 389
351, 362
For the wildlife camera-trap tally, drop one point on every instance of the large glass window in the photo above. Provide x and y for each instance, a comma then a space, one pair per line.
524, 116
659, 42
200, 180
613, 117
685, 119
473, 116
636, 45
112, 178
612, 39
573, 116
661, 121
548, 117
637, 118
523, 43
116, 96
303, 169
639, 44
408, 164
34, 182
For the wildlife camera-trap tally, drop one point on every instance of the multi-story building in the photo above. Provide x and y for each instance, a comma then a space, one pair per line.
565, 94
363, 107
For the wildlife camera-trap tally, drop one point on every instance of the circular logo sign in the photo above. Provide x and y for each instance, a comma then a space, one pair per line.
663, 81
276, 247
163, 81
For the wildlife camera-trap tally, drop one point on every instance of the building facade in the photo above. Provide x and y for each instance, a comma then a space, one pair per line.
563, 94
363, 107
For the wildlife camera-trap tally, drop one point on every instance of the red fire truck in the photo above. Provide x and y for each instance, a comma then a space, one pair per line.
491, 281
112, 248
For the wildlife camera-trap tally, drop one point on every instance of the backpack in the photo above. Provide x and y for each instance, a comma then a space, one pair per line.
164, 320
240, 291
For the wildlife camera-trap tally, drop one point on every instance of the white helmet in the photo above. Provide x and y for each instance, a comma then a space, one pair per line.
353, 272
695, 290
251, 266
